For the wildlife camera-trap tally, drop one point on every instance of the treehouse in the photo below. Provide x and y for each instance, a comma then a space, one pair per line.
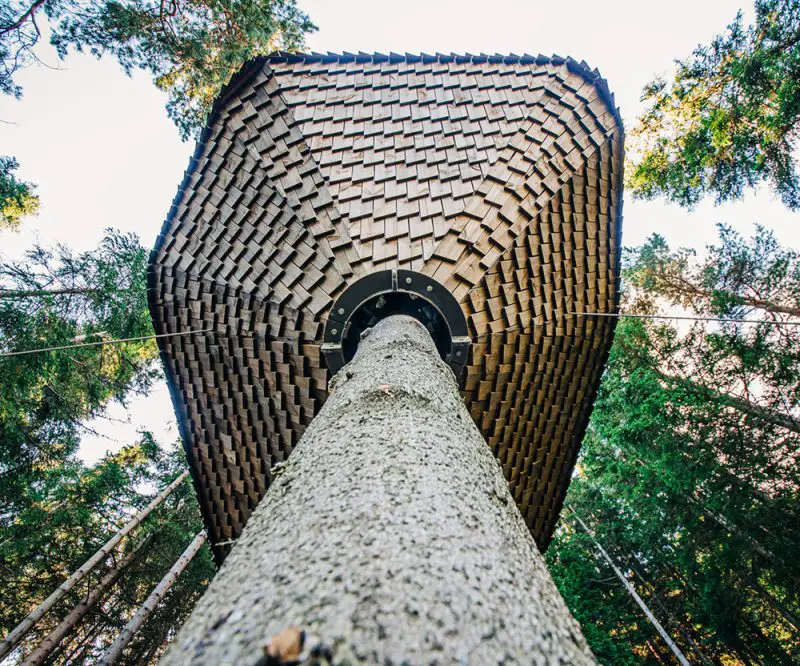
481, 194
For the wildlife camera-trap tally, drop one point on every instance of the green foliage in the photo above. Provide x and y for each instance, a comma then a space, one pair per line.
17, 197
55, 511
190, 47
60, 519
730, 117
736, 277
689, 474
53, 298
599, 603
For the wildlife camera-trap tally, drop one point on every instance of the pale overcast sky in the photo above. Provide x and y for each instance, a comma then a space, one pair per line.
103, 152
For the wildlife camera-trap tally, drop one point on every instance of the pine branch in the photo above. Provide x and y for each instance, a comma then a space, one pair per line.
29, 14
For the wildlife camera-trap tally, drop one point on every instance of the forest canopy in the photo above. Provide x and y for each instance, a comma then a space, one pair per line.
55, 510
689, 476
191, 49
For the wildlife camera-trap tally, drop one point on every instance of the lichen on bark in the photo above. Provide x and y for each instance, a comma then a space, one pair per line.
389, 537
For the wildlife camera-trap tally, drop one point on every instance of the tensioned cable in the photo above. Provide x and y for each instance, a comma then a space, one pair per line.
638, 316
617, 315
105, 342
623, 315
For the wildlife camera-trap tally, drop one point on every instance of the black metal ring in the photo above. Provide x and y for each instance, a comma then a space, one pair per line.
399, 281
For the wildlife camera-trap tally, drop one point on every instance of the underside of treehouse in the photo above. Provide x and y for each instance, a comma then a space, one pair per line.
494, 178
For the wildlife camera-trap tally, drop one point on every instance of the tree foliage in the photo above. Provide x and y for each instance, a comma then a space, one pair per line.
69, 512
18, 198
56, 297
729, 119
191, 47
690, 472
54, 510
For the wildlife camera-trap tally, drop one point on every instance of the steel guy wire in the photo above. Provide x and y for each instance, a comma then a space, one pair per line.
615, 315
104, 342
685, 317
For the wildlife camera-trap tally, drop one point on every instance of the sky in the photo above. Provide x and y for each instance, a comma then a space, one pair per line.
103, 153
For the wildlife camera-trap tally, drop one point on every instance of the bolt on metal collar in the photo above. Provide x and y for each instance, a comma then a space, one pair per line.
396, 291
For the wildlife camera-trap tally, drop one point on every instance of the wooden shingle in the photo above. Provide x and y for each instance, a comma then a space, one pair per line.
499, 176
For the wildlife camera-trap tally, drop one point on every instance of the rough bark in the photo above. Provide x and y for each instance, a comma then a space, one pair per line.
631, 591
17, 634
144, 611
389, 537
741, 404
70, 621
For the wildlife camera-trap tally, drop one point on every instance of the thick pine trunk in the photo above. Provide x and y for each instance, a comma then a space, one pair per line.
389, 537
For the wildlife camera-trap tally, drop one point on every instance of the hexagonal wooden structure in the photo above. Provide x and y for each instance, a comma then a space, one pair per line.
499, 176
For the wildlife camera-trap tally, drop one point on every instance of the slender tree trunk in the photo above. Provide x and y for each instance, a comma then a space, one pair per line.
74, 651
140, 616
71, 620
775, 604
16, 634
721, 521
630, 589
741, 404
655, 651
754, 544
652, 590
390, 537
687, 287
37, 293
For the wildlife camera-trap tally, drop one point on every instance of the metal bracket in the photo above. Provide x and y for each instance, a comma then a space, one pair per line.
454, 342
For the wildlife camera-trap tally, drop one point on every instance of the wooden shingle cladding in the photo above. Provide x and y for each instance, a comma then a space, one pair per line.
500, 176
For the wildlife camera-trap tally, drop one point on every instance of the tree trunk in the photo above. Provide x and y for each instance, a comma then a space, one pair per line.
16, 634
741, 404
71, 620
630, 589
722, 522
652, 590
75, 652
140, 616
389, 537
38, 293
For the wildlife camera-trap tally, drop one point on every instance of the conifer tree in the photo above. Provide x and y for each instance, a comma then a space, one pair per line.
689, 472
58, 524
54, 510
730, 117
56, 297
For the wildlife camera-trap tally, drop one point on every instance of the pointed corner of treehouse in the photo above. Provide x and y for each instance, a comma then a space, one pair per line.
321, 185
